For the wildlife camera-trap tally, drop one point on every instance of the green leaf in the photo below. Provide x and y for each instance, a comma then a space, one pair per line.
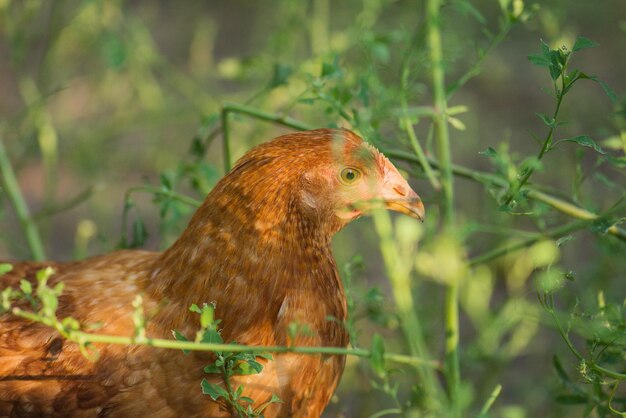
377, 356
140, 234
585, 141
26, 287
212, 369
616, 161
266, 356
467, 8
206, 316
114, 51
250, 367
563, 240
212, 336
43, 275
5, 268
280, 76
607, 90
456, 123
49, 301
330, 69
213, 390
602, 225
180, 337
539, 60
166, 181
550, 280
489, 152
559, 369
550, 122
530, 163
582, 43
307, 101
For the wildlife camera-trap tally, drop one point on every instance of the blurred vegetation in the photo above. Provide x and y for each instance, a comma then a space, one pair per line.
111, 115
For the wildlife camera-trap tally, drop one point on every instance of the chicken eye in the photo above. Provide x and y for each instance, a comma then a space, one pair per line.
349, 175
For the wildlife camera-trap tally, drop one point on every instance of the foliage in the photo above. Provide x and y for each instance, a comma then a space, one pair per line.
434, 86
226, 365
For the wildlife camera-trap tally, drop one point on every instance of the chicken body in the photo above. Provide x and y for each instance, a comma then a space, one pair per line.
258, 249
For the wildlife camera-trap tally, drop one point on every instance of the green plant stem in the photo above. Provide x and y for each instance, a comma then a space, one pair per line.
407, 124
64, 206
461, 171
83, 338
401, 287
590, 363
229, 108
475, 69
229, 389
451, 301
384, 412
507, 249
226, 139
546, 143
561, 205
489, 402
268, 117
190, 201
18, 202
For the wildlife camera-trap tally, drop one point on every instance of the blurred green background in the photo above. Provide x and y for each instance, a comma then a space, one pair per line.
97, 97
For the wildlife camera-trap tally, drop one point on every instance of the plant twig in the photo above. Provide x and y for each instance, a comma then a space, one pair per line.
547, 142
64, 206
451, 301
9, 181
407, 124
399, 279
250, 111
475, 69
82, 337
489, 402
507, 249
226, 139
190, 201
561, 205
590, 363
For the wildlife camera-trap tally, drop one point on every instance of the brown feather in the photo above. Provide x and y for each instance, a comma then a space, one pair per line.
258, 248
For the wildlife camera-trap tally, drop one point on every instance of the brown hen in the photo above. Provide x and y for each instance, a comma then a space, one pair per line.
259, 248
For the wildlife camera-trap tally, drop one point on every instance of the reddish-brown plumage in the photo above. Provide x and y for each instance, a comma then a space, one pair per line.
258, 248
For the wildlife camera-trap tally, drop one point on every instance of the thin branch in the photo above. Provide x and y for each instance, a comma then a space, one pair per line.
489, 403
268, 117
451, 300
82, 338
250, 111
64, 206
507, 249
547, 143
475, 69
590, 363
190, 201
18, 202
561, 205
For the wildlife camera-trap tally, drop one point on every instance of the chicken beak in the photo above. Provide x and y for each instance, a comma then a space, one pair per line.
413, 208
400, 197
